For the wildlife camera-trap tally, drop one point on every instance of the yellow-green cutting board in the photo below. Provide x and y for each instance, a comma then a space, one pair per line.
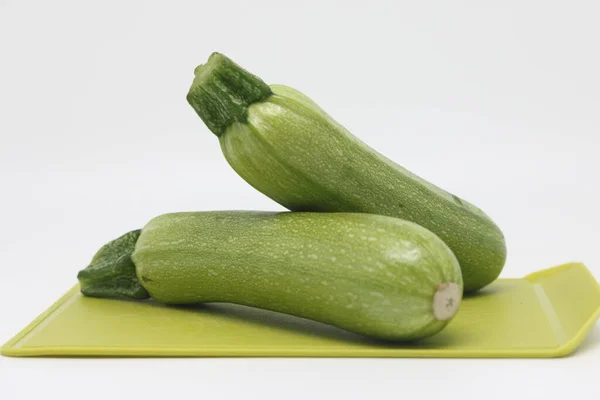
546, 314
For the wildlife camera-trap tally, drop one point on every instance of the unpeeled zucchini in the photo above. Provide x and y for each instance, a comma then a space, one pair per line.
378, 276
287, 147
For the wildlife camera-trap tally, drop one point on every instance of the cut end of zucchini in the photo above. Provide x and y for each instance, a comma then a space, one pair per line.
446, 300
222, 91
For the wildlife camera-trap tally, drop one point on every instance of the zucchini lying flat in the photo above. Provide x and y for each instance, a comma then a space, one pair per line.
285, 146
378, 276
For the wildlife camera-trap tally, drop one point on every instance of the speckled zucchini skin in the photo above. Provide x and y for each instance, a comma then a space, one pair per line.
369, 274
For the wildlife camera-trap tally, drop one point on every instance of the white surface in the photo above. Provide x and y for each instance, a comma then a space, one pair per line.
498, 104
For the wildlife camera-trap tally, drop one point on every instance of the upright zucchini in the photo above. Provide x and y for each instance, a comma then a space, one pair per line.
374, 275
285, 146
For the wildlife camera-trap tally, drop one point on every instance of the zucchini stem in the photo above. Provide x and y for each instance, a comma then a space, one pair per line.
112, 273
222, 91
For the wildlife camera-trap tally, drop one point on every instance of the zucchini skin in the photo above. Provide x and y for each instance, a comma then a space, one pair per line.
285, 146
369, 274
291, 151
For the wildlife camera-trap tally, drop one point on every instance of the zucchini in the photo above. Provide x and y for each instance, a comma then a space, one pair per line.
288, 148
378, 276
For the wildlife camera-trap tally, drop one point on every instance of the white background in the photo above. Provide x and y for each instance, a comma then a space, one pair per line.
497, 102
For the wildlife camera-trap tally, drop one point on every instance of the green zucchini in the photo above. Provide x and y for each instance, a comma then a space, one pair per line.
378, 276
287, 147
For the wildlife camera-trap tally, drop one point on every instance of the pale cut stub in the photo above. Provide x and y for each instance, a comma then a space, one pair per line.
446, 300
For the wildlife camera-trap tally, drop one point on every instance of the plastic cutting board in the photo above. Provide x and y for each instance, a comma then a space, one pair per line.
546, 314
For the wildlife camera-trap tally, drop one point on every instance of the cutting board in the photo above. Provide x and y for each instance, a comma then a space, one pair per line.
545, 314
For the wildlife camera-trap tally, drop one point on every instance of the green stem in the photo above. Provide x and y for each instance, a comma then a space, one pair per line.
112, 271
222, 91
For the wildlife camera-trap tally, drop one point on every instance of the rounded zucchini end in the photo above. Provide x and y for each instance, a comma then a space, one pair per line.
446, 300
